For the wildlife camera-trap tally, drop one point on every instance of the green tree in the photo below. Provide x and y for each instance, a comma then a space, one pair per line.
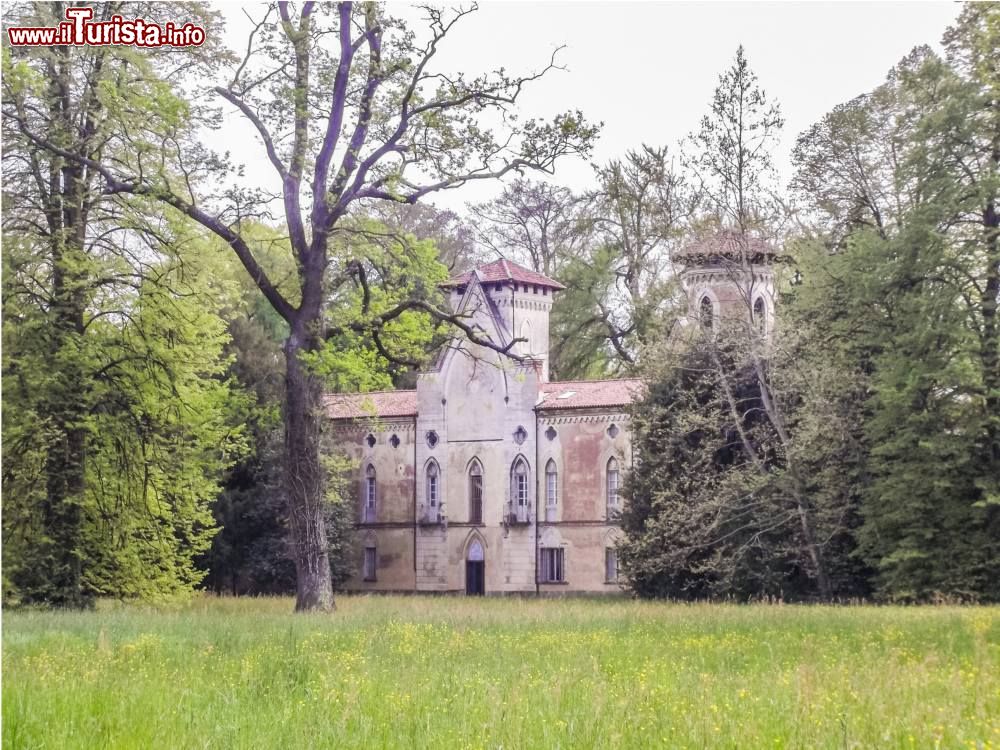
908, 298
87, 274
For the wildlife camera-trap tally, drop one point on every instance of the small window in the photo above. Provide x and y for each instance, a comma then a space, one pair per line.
370, 494
551, 565
613, 483
610, 565
520, 435
394, 441
551, 433
475, 493
706, 312
613, 431
371, 441
370, 564
498, 287
432, 439
551, 490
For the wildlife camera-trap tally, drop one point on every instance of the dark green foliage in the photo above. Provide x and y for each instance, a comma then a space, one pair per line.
908, 303
713, 505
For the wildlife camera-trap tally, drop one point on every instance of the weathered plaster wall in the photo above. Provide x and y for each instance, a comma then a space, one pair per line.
392, 530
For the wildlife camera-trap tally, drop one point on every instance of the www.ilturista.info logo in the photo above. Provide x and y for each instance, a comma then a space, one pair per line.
79, 29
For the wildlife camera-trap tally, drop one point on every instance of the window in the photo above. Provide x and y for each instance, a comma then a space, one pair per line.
432, 439
551, 490
551, 566
371, 441
475, 493
370, 489
705, 312
520, 435
613, 481
519, 490
613, 431
760, 315
433, 487
610, 565
370, 563
521, 483
394, 441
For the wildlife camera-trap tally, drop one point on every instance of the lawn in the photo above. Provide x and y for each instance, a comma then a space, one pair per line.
511, 673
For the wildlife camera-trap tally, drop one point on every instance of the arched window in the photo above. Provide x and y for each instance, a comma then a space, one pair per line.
760, 315
551, 490
519, 491
613, 482
370, 490
705, 312
475, 493
433, 489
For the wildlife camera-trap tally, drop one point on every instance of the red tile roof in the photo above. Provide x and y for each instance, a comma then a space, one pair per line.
368, 405
583, 394
575, 394
727, 244
500, 271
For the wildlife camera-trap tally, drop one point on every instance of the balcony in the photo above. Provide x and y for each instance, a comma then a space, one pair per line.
517, 515
428, 516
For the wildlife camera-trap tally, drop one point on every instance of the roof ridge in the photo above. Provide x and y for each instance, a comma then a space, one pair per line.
371, 393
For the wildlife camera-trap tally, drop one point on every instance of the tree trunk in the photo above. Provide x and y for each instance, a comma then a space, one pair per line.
304, 481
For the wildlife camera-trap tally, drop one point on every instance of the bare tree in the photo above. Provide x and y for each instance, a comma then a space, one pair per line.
635, 216
532, 222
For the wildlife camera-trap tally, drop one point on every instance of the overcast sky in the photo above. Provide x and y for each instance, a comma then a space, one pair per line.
648, 69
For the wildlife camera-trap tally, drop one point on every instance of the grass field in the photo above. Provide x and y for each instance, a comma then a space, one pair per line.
457, 673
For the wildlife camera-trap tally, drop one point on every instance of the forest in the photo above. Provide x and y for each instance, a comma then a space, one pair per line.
169, 332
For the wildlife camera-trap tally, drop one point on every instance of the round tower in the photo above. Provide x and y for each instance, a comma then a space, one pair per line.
729, 280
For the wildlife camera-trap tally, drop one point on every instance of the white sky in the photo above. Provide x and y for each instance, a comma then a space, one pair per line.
648, 69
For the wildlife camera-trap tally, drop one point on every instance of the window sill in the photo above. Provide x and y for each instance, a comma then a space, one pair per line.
369, 580
554, 583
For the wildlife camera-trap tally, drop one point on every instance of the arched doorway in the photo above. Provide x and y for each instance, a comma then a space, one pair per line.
475, 569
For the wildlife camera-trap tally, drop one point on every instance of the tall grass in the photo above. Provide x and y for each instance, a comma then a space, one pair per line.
511, 673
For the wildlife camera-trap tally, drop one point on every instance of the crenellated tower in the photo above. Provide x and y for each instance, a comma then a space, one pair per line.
521, 300
729, 279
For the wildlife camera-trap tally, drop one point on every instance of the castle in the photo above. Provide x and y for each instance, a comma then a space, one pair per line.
488, 478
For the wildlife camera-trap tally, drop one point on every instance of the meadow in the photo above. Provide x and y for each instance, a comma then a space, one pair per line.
386, 672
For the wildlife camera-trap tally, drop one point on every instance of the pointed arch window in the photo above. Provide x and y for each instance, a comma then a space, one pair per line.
371, 487
526, 335
520, 499
433, 490
613, 483
551, 490
475, 492
706, 312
